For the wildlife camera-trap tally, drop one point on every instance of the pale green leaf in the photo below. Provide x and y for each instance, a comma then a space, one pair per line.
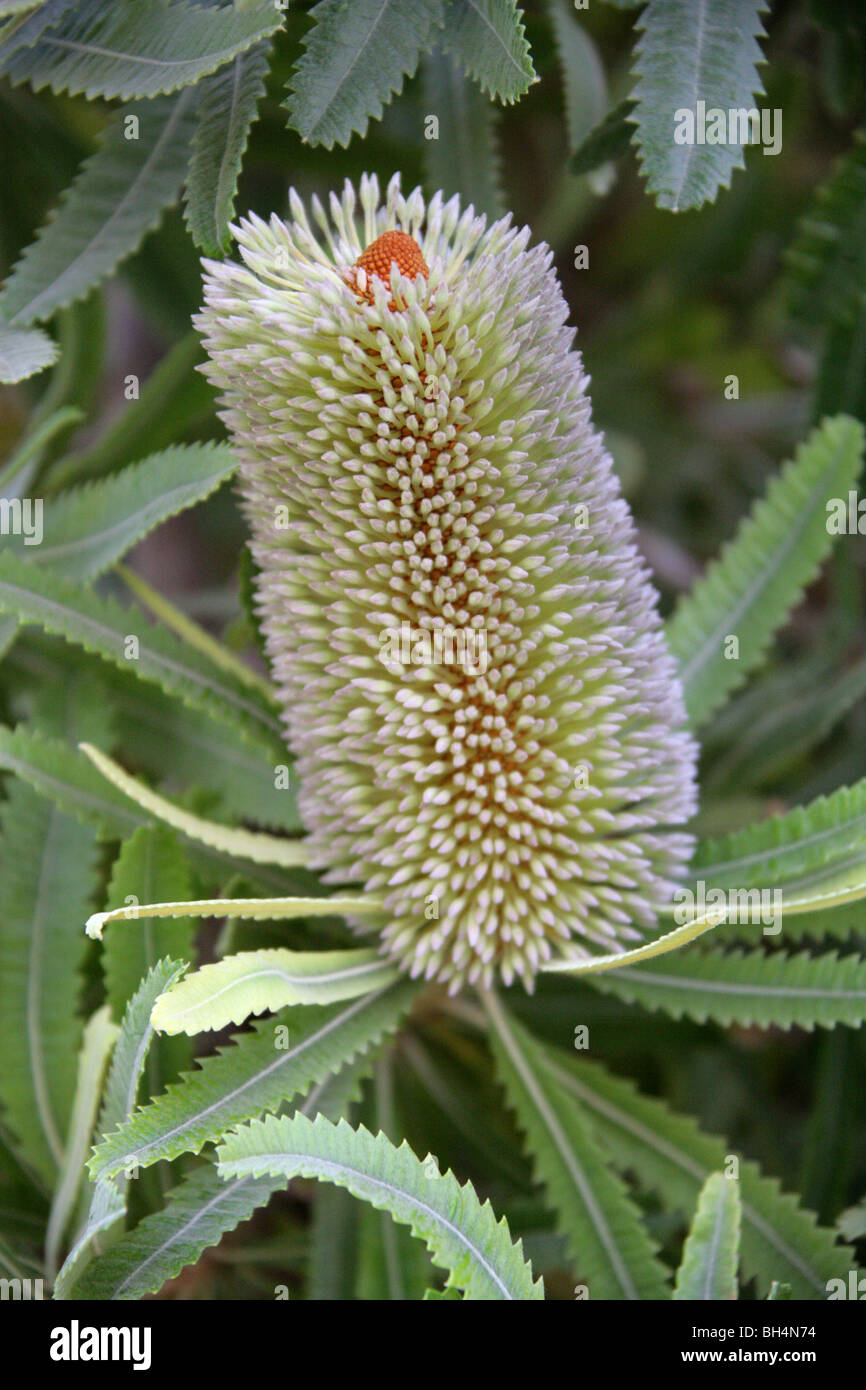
749, 591
254, 982
463, 159
462, 1236
24, 352
488, 39
227, 109
669, 1154
691, 51
355, 59
88, 528
609, 1247
280, 1058
709, 1265
119, 194
138, 48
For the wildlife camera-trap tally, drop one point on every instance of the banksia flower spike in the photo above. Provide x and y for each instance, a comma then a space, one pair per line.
489, 729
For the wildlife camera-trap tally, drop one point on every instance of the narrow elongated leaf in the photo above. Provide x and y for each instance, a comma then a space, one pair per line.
609, 141
462, 1235
227, 109
693, 51
669, 1154
355, 58
107, 1205
463, 158
120, 193
35, 594
246, 844
770, 990
748, 592
279, 1059
825, 267
200, 1210
488, 39
583, 78
254, 982
609, 1246
65, 777
45, 893
255, 909
139, 48
709, 1265
24, 352
87, 529
98, 1039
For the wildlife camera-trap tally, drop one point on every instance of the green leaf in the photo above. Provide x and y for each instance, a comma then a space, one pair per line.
255, 1074
669, 1154
462, 1236
355, 59
150, 864
488, 39
37, 595
107, 1204
608, 141
227, 110
841, 381
139, 48
254, 982
607, 1241
87, 529
199, 1211
583, 78
691, 51
24, 352
770, 990
750, 590
98, 1039
45, 894
119, 194
825, 267
463, 159
710, 1256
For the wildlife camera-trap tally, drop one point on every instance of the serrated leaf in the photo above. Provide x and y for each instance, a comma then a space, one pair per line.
107, 1204
825, 267
692, 51
709, 1265
252, 1076
24, 352
462, 1235
608, 141
609, 1247
488, 39
45, 893
98, 1039
227, 110
138, 48
769, 990
670, 1155
65, 777
36, 595
256, 982
88, 528
117, 197
583, 79
355, 59
463, 159
750, 589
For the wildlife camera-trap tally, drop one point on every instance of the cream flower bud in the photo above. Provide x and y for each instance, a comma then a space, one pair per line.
489, 729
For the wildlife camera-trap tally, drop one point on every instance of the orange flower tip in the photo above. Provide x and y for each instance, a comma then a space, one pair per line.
391, 248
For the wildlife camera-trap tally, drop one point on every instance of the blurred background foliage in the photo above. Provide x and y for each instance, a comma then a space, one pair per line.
669, 306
